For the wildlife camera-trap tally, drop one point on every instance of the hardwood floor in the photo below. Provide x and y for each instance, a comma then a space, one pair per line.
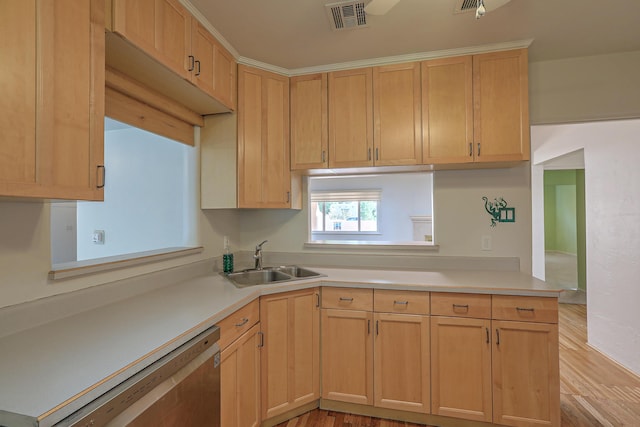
594, 391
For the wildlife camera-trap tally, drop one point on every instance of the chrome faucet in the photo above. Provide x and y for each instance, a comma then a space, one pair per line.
258, 255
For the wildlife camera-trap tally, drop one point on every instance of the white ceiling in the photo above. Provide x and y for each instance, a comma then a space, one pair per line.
295, 34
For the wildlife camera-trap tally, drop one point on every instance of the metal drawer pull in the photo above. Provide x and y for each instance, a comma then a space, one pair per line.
368, 327
487, 335
377, 329
463, 306
261, 344
243, 322
317, 300
525, 309
497, 336
401, 302
346, 299
470, 149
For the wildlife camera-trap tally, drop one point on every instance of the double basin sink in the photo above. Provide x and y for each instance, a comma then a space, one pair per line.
245, 278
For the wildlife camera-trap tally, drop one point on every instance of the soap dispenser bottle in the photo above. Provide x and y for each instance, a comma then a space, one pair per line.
227, 259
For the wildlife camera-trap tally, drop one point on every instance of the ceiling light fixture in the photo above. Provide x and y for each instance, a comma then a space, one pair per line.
480, 10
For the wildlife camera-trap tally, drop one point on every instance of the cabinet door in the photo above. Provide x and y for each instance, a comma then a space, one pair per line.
309, 129
71, 113
173, 36
350, 118
396, 112
136, 21
526, 374
461, 368
264, 178
447, 110
203, 57
53, 105
290, 359
240, 381
224, 76
501, 106
401, 362
18, 101
347, 356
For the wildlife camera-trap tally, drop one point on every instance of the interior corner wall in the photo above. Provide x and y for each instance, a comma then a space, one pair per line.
581, 225
612, 213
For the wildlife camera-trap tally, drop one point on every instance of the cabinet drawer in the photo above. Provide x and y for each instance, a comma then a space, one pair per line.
237, 323
409, 302
526, 309
347, 298
461, 305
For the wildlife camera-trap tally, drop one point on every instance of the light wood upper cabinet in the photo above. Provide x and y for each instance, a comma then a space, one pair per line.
264, 178
501, 106
396, 113
351, 118
401, 362
240, 381
447, 110
290, 361
165, 30
309, 128
475, 108
52, 125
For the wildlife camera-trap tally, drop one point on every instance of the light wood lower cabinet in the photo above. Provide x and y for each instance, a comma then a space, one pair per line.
461, 368
290, 362
240, 381
401, 362
347, 356
526, 377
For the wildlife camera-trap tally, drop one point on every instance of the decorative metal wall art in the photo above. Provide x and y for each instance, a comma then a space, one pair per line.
499, 210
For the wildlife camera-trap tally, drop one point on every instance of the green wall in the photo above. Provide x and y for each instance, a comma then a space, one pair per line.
564, 216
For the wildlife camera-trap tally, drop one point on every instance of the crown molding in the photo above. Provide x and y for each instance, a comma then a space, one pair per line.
264, 66
205, 23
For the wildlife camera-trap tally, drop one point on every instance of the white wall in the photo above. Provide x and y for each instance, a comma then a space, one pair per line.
148, 196
459, 221
612, 186
403, 196
64, 234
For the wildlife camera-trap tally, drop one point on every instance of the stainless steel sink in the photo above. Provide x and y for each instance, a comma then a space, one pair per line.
242, 279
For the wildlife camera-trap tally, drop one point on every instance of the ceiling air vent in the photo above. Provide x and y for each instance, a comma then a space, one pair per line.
346, 15
462, 6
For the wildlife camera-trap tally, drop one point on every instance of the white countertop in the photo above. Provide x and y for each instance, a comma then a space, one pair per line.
49, 372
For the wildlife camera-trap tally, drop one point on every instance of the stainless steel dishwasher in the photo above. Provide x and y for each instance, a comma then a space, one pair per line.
182, 389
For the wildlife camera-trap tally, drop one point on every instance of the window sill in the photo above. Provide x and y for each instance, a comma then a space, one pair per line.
368, 245
99, 265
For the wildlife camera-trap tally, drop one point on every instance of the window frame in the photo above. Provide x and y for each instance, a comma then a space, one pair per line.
334, 196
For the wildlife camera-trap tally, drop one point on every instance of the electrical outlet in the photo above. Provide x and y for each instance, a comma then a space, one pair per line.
486, 243
98, 237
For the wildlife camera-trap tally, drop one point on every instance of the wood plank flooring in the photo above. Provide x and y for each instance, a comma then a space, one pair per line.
594, 391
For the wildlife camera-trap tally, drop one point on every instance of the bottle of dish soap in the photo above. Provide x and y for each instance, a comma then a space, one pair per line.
227, 259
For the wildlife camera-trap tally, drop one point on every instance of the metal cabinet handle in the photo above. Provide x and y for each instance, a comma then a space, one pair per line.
261, 343
497, 336
525, 309
191, 63
103, 176
243, 322
376, 154
462, 306
323, 156
487, 335
401, 302
346, 299
368, 327
478, 149
369, 154
198, 67
377, 328
288, 196
470, 149
317, 300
